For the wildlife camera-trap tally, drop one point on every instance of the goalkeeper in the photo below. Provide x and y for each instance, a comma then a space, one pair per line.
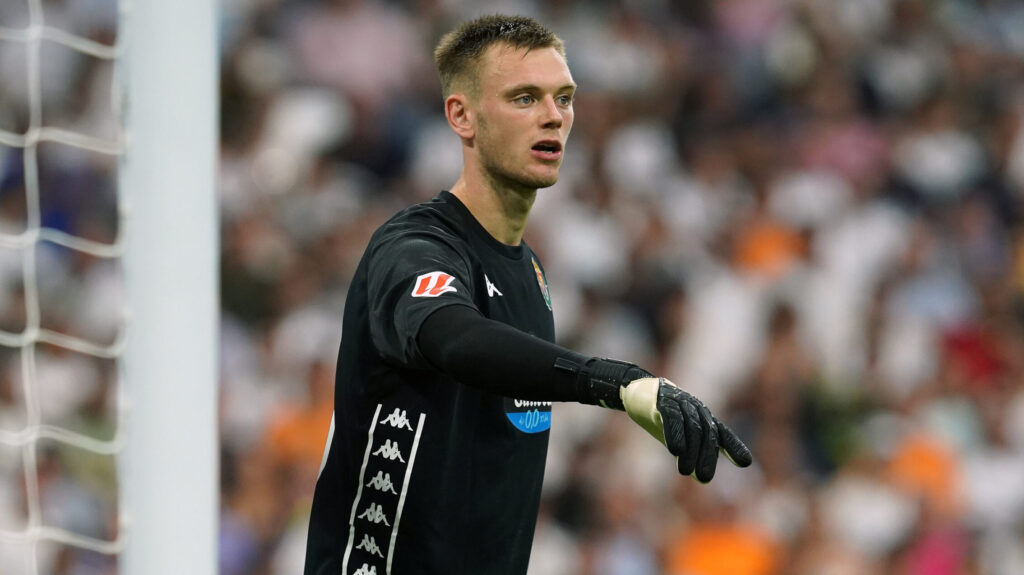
447, 369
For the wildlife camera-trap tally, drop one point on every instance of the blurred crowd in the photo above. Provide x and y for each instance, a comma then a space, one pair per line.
808, 213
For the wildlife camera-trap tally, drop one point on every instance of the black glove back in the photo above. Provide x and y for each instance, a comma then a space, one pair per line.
695, 436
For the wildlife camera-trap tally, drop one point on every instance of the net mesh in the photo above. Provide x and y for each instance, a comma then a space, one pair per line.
63, 319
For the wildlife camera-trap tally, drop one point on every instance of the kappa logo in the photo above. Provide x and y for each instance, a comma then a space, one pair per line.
365, 570
398, 419
433, 285
389, 451
369, 544
375, 514
382, 482
492, 289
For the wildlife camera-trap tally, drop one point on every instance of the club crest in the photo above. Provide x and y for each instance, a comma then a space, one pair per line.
542, 282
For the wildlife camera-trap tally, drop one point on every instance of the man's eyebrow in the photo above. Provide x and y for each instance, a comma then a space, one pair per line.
534, 88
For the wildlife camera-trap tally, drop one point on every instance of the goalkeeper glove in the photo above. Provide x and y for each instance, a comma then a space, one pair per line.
677, 419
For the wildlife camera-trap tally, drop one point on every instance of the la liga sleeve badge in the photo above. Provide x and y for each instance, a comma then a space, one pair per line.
433, 284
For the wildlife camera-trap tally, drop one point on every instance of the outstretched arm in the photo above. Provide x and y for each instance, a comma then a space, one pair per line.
491, 355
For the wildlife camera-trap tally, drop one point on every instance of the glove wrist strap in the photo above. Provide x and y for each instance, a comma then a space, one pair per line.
598, 380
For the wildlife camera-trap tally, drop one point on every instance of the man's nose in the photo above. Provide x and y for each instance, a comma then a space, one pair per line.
552, 114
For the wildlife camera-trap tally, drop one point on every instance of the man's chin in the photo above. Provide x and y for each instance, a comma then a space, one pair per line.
542, 180
530, 181
547, 183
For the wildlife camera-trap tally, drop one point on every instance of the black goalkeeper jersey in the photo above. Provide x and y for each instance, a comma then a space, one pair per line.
422, 474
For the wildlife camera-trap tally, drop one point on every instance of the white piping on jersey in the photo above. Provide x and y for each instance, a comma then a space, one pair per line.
327, 447
359, 491
405, 488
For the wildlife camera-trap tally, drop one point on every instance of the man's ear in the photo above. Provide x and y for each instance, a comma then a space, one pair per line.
460, 116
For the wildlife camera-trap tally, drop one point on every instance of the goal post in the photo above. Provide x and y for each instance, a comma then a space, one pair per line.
169, 468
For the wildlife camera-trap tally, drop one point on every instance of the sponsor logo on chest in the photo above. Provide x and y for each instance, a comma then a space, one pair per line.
528, 416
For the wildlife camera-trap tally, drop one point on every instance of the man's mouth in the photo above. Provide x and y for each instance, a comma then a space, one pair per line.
547, 150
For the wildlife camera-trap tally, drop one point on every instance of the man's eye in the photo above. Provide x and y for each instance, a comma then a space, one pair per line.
565, 100
525, 99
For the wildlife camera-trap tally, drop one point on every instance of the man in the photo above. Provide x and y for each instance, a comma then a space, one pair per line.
447, 372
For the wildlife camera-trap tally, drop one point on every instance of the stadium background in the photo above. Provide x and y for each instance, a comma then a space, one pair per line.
807, 212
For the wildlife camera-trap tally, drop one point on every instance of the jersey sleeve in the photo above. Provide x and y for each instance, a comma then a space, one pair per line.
496, 357
409, 278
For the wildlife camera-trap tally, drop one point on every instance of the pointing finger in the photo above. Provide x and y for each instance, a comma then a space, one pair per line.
733, 447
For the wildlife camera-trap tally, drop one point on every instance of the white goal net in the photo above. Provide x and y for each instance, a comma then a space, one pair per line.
108, 296
61, 319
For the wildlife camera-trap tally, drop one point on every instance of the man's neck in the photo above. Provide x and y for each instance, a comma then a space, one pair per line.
502, 211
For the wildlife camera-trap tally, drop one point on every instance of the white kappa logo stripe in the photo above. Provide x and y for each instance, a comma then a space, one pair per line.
375, 514
389, 451
398, 418
369, 544
382, 482
359, 492
405, 488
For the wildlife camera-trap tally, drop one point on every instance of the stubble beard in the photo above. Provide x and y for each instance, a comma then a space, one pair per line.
500, 171
504, 177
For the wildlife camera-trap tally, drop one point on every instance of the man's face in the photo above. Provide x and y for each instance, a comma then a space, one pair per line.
524, 104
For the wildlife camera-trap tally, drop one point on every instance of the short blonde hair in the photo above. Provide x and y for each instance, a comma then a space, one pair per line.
458, 54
